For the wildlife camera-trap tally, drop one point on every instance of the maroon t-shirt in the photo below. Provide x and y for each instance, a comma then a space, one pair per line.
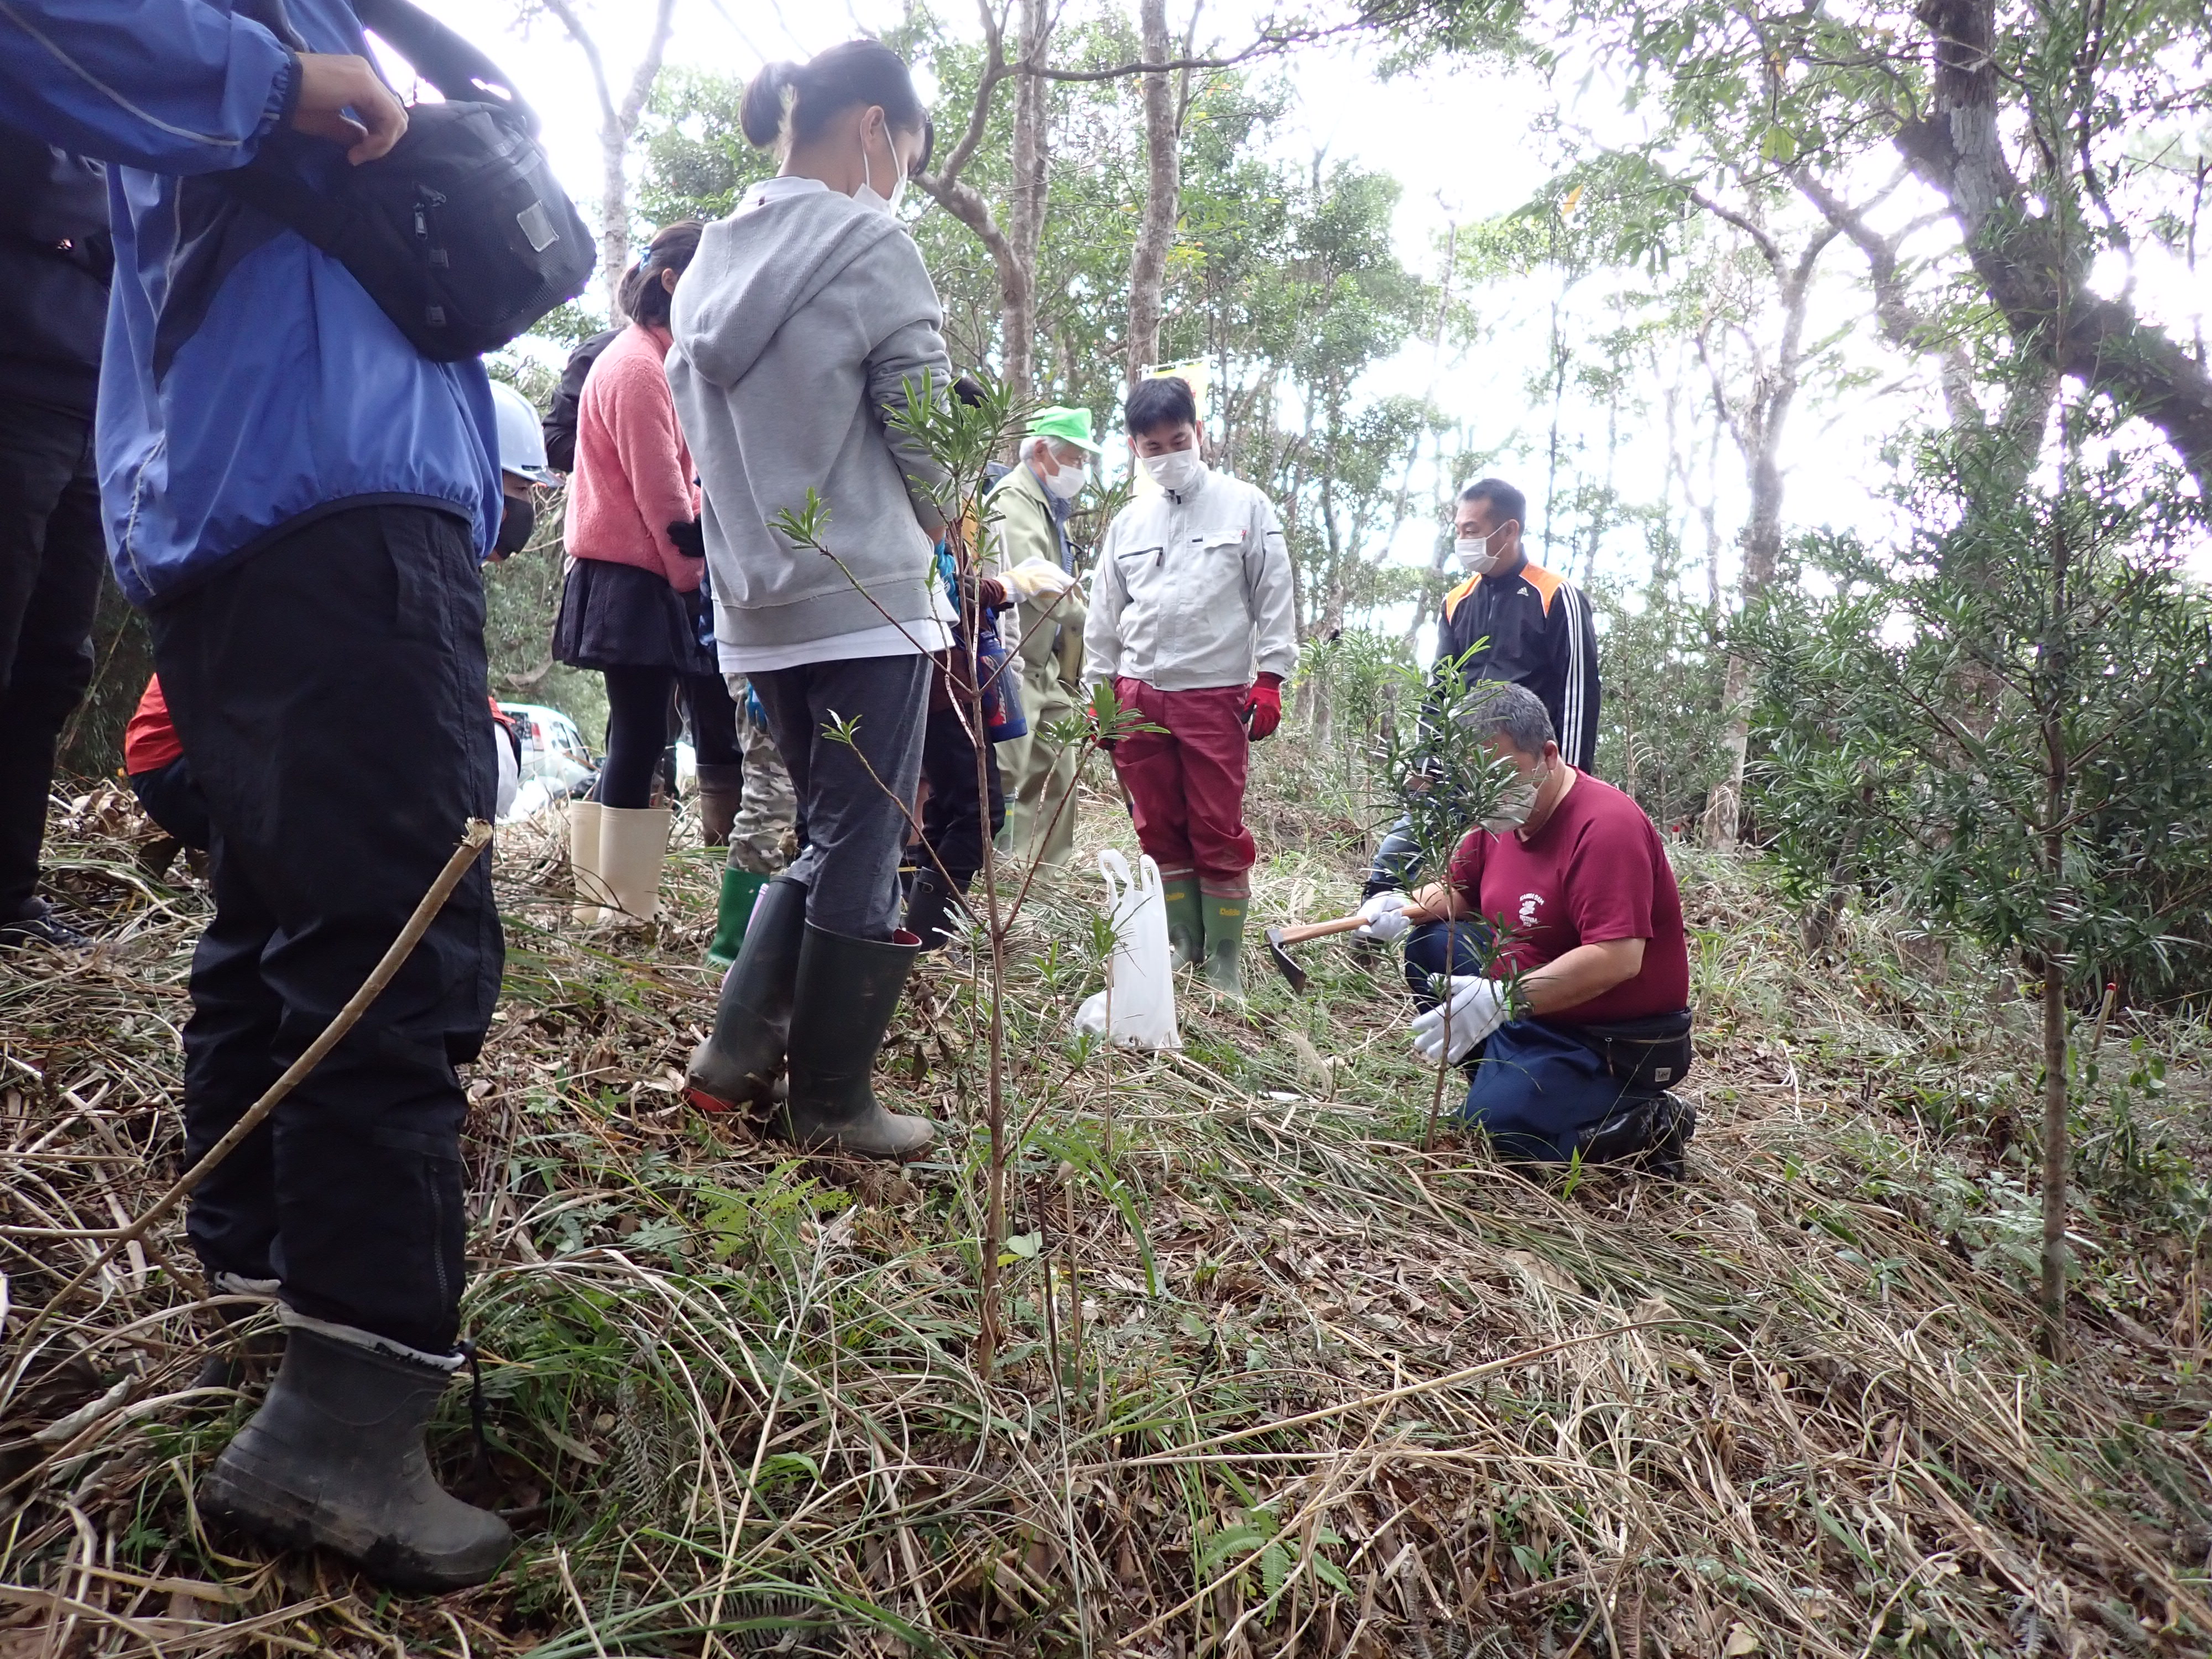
1596, 871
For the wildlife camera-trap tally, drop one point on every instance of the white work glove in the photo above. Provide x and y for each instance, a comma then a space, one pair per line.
1472, 1009
1384, 917
1034, 578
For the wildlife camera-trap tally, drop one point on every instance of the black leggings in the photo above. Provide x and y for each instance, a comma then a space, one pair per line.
637, 729
952, 818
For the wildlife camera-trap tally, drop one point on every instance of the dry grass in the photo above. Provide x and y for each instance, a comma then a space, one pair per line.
1276, 1382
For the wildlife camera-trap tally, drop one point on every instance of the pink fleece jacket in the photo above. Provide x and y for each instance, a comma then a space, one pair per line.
633, 477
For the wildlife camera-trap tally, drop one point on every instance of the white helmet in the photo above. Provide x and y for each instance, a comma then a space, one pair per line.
521, 440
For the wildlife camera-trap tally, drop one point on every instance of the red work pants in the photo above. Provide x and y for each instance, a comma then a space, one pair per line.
1187, 781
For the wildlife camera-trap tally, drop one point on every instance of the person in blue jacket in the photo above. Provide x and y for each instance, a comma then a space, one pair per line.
299, 500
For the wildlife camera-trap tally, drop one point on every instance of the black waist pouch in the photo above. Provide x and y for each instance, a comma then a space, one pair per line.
461, 234
1649, 1054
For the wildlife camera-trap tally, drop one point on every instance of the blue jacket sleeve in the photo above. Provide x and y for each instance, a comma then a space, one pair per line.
170, 86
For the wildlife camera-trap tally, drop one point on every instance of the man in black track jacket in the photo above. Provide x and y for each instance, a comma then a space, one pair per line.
1522, 624
1534, 627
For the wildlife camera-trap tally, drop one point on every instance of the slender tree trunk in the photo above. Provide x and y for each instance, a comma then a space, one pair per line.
1026, 206
2054, 1161
618, 120
2052, 680
1758, 431
1148, 261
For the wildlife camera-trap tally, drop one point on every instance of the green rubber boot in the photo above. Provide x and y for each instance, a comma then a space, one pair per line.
741, 890
1224, 941
1186, 927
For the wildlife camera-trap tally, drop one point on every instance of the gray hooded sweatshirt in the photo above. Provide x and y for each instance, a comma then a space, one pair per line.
801, 318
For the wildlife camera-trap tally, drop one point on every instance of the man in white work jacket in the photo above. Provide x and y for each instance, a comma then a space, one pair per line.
1192, 623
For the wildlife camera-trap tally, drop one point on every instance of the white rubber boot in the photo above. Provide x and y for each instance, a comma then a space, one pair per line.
584, 820
633, 847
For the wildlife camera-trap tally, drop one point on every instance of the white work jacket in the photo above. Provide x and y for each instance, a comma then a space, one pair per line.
1192, 591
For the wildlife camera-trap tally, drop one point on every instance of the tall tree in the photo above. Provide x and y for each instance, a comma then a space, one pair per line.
1148, 260
618, 120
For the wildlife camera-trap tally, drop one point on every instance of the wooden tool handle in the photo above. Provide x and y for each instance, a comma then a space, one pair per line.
1299, 935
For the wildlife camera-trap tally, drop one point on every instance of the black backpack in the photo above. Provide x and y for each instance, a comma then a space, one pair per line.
461, 234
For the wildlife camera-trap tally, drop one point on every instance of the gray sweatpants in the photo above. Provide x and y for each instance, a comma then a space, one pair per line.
854, 824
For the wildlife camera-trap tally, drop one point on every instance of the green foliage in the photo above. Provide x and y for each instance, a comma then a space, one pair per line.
1661, 729
2009, 725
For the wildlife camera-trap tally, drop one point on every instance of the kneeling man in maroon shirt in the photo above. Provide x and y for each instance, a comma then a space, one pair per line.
1581, 1017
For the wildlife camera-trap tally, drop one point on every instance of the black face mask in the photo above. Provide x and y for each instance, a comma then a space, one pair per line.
515, 525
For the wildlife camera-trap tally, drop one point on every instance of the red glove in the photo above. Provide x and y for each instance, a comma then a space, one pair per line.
1263, 707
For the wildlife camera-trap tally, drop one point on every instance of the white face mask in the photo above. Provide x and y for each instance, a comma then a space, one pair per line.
868, 195
1176, 471
1066, 483
1515, 802
1474, 554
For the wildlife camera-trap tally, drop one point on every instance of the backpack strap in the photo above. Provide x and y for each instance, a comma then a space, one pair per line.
458, 68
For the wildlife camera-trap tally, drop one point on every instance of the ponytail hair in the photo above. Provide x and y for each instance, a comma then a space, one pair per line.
794, 103
642, 295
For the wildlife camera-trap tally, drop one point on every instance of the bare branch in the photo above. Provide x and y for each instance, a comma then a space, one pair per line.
1766, 244
979, 116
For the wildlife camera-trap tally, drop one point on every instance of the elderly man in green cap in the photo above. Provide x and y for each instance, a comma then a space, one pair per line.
1027, 511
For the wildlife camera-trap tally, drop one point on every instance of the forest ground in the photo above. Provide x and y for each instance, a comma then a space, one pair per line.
1276, 1380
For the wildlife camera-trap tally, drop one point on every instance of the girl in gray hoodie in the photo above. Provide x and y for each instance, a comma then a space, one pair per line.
805, 321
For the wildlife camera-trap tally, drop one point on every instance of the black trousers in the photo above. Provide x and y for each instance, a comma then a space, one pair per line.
852, 796
637, 729
172, 799
330, 691
952, 817
51, 555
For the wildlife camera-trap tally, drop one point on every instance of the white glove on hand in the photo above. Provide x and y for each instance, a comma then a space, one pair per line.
1035, 578
1472, 1009
1385, 920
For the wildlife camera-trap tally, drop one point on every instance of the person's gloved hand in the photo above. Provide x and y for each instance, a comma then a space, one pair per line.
1385, 915
1034, 578
1472, 1009
1263, 707
689, 536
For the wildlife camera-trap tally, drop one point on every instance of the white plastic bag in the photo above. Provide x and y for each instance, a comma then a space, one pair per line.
1139, 994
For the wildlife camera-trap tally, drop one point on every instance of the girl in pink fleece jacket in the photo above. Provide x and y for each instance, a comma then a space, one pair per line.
631, 604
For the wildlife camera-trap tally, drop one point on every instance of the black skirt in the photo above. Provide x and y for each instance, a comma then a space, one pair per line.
617, 616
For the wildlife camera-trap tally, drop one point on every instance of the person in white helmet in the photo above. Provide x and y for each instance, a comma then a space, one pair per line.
521, 463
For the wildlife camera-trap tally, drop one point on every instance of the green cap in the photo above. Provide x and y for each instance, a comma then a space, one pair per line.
1070, 426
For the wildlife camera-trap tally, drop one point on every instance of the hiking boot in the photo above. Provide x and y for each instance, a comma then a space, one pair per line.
1669, 1153
1186, 927
848, 990
335, 1457
741, 891
736, 1066
1225, 942
1651, 1132
721, 792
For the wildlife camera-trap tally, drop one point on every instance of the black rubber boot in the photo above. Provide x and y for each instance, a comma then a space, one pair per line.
929, 908
848, 990
736, 1066
335, 1457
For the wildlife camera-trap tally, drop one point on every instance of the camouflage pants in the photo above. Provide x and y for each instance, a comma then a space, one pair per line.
765, 835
